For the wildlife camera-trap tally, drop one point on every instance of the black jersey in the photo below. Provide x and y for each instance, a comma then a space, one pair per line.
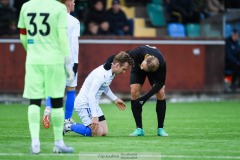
156, 79
139, 54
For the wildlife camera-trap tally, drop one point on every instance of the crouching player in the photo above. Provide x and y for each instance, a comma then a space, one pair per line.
87, 101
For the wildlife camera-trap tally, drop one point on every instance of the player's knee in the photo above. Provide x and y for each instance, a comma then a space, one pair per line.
161, 94
35, 102
57, 102
99, 132
105, 132
135, 93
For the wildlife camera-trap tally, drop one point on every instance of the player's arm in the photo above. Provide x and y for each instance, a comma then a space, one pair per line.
93, 90
160, 81
153, 91
64, 44
119, 103
108, 63
75, 44
64, 47
23, 37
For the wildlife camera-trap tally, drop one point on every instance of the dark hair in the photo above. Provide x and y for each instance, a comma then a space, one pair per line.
115, 2
152, 63
235, 31
123, 57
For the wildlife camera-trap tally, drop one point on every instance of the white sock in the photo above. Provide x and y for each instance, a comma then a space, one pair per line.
35, 141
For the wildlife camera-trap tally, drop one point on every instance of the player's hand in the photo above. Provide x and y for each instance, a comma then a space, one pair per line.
70, 75
120, 104
94, 126
139, 102
69, 70
75, 68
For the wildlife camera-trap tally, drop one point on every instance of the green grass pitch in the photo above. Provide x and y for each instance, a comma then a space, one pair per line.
197, 130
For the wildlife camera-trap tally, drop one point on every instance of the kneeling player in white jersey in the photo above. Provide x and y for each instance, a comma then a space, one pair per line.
87, 101
73, 31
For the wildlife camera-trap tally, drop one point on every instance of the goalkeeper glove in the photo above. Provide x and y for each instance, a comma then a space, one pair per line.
75, 68
69, 70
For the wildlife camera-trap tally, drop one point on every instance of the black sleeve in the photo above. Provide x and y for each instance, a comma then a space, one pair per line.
153, 91
160, 81
108, 63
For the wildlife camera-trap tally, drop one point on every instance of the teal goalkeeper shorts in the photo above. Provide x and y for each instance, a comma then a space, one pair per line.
42, 81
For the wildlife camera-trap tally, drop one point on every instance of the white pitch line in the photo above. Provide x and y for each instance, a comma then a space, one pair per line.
141, 155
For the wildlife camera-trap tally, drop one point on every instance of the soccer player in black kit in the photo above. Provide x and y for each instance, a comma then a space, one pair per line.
149, 62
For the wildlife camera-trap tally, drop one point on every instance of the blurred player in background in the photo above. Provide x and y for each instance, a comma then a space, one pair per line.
149, 62
73, 32
43, 33
87, 101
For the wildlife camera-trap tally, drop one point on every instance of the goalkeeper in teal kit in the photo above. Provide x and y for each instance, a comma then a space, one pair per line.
43, 33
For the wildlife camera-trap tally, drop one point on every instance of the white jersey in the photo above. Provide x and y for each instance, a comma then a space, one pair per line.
73, 31
95, 84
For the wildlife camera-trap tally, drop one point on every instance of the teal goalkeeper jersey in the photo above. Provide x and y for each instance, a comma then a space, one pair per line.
43, 21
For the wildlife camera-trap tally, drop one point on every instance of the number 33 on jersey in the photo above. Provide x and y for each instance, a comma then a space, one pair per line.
42, 25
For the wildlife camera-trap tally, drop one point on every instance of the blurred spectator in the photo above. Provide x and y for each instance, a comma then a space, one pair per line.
99, 16
182, 11
7, 19
200, 9
91, 29
17, 5
81, 8
215, 6
232, 4
232, 58
92, 2
144, 2
119, 24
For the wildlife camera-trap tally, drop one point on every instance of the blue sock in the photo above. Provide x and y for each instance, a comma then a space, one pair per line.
48, 102
81, 129
69, 104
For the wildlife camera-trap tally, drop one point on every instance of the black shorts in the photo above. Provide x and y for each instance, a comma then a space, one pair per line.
139, 76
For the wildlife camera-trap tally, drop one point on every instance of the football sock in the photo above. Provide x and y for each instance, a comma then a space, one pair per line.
48, 102
34, 121
81, 129
137, 113
57, 117
59, 143
161, 111
69, 104
35, 141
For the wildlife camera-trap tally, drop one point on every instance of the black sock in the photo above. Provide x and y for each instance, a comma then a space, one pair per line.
161, 111
137, 113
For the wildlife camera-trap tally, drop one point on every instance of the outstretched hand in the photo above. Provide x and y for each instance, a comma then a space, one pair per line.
120, 104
